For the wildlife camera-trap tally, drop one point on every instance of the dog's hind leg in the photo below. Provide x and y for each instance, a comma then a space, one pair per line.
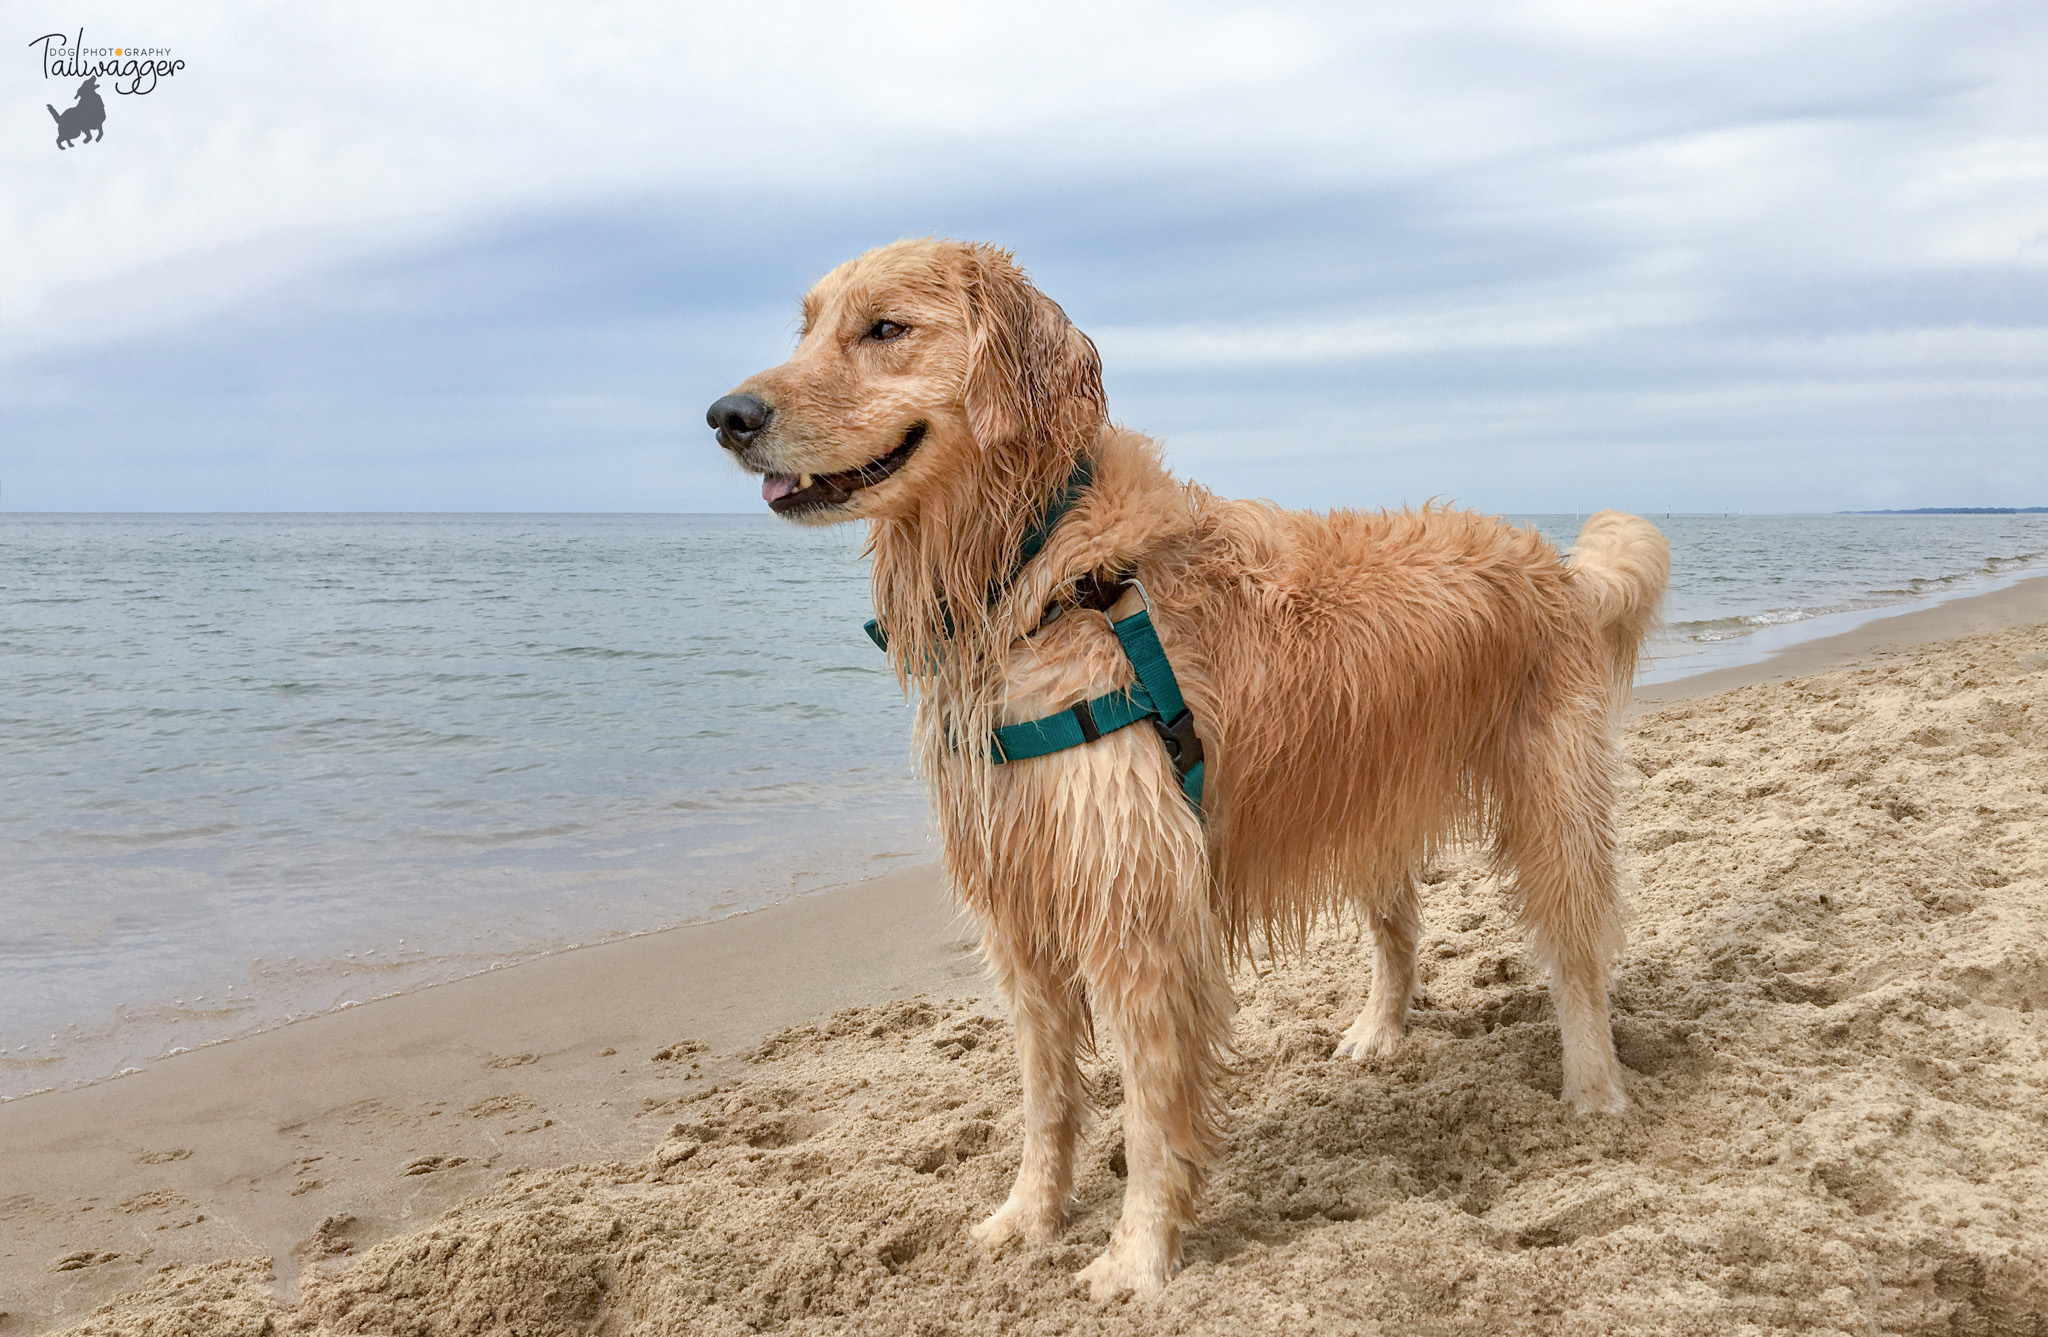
1052, 1019
1556, 830
1396, 929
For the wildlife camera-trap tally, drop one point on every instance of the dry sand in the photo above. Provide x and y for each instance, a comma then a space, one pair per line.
1833, 1006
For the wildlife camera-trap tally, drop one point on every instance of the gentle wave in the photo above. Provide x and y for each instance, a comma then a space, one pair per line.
240, 740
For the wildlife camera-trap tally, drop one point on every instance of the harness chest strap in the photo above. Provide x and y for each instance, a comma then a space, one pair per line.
1155, 696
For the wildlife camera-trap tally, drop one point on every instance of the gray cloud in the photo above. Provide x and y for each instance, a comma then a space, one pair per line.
1531, 258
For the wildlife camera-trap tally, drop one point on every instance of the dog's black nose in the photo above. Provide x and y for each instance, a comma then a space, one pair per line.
738, 419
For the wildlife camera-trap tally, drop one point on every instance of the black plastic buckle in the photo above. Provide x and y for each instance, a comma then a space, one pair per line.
1183, 748
1085, 717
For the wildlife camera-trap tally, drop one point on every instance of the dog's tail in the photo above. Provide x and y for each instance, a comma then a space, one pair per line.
53, 114
1620, 565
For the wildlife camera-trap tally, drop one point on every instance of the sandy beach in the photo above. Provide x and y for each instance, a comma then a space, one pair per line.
1831, 1007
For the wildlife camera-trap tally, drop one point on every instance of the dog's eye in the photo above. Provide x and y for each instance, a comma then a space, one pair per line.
884, 330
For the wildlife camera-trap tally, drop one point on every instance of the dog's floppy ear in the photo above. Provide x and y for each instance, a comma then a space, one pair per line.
1031, 376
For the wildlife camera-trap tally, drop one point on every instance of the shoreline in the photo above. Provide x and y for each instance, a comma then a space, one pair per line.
322, 1136
2021, 602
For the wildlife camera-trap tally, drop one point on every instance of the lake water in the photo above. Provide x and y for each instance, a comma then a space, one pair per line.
255, 767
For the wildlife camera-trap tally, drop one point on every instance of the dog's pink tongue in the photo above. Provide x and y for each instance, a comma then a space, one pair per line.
776, 486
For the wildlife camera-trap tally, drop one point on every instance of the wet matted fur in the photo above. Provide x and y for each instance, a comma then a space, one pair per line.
1366, 687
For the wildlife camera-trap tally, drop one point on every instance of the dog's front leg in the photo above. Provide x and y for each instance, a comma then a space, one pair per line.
1051, 1018
1159, 981
1097, 860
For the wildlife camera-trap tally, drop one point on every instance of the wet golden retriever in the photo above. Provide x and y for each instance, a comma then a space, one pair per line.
1366, 687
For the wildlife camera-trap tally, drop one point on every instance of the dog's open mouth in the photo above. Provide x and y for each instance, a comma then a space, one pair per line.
785, 493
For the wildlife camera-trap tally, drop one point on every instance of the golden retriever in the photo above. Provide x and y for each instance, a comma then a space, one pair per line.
1366, 688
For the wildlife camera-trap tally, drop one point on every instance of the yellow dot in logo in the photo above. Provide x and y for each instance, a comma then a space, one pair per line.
117, 50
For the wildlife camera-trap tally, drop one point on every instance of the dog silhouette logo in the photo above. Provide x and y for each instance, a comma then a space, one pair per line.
87, 118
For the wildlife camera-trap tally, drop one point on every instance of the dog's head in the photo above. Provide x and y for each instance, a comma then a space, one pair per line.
91, 85
922, 367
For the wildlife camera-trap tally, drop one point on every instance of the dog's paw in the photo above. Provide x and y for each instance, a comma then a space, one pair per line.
1368, 1036
1017, 1220
1596, 1098
1127, 1266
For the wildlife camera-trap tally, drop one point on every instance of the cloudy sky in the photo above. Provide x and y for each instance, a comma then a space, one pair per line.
394, 256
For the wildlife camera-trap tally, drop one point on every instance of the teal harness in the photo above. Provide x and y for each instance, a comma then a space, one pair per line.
1154, 696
